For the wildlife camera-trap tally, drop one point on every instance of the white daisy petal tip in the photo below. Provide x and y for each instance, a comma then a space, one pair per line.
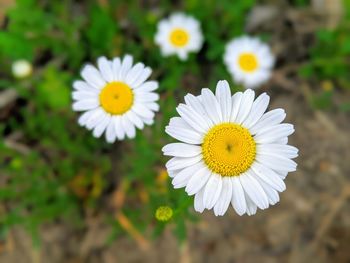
109, 97
249, 61
230, 151
180, 34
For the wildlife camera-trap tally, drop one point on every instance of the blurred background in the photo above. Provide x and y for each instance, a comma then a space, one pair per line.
68, 197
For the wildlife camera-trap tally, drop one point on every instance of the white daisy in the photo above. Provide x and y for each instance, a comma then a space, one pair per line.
116, 98
249, 61
179, 34
231, 151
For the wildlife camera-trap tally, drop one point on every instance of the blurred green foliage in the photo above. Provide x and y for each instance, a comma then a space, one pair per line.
330, 62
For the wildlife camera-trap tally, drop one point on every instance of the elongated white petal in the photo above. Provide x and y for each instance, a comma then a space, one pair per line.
258, 108
224, 200
212, 191
253, 189
197, 181
176, 163
181, 150
105, 68
211, 106
238, 198
269, 119
274, 133
198, 201
182, 178
223, 95
245, 106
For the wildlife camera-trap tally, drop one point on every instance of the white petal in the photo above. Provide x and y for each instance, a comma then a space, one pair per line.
268, 176
96, 118
184, 135
197, 106
251, 206
83, 95
146, 73
116, 66
125, 67
118, 127
101, 127
245, 105
182, 178
93, 77
212, 191
153, 106
257, 111
223, 95
211, 106
110, 133
272, 194
105, 68
142, 111
85, 116
254, 190
134, 73
135, 119
148, 86
269, 119
274, 133
198, 201
287, 151
146, 96
129, 128
176, 163
192, 118
238, 198
80, 85
277, 163
223, 203
197, 181
181, 150
87, 104
236, 103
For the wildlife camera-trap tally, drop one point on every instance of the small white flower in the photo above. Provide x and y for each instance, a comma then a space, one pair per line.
116, 98
22, 68
249, 61
230, 150
179, 34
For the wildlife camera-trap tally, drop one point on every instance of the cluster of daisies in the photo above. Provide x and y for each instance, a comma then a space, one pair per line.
230, 150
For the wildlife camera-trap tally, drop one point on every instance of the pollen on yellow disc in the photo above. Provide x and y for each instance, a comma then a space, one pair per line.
116, 98
179, 37
248, 62
228, 149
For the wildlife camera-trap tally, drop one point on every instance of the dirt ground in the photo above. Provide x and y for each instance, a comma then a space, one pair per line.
310, 224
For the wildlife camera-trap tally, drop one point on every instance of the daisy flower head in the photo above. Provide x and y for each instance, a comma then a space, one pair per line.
179, 35
230, 150
115, 97
249, 61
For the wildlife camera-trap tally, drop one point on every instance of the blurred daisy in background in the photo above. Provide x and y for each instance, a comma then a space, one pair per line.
21, 69
179, 35
115, 98
230, 150
249, 61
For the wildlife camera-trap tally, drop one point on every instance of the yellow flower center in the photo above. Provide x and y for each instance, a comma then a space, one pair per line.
179, 37
164, 213
228, 149
116, 98
248, 62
